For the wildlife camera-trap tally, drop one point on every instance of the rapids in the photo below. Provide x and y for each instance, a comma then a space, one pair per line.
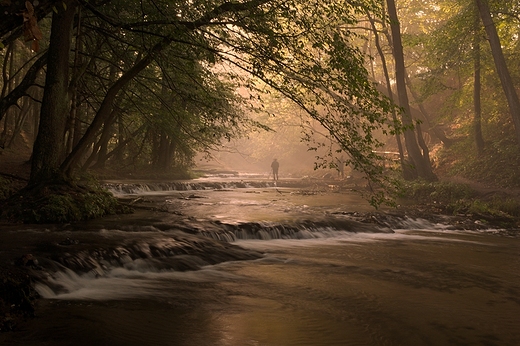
257, 264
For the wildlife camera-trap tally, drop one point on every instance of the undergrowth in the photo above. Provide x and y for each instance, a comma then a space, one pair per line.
497, 165
5, 188
456, 198
60, 202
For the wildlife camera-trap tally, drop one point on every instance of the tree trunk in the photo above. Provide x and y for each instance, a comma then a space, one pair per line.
122, 143
477, 119
420, 165
100, 152
20, 121
21, 89
388, 86
8, 78
500, 63
437, 132
73, 120
49, 148
164, 155
105, 108
36, 110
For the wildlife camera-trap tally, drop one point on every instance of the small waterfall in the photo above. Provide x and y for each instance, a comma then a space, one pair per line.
154, 187
170, 248
304, 229
125, 188
68, 267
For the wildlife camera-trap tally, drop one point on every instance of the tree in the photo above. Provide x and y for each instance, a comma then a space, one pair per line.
479, 140
291, 46
49, 147
501, 66
421, 164
389, 91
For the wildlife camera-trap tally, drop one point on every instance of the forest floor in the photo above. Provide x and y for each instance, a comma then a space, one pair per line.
15, 166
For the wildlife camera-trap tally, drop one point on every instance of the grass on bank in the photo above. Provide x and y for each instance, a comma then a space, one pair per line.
492, 177
457, 198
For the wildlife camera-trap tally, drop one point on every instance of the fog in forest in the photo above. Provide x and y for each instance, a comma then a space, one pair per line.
255, 154
294, 161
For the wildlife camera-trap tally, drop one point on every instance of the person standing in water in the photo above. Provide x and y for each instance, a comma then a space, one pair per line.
341, 166
274, 166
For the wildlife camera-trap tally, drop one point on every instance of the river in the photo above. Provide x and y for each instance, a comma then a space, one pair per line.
419, 283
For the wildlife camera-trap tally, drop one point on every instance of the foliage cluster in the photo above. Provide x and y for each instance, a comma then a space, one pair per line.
152, 85
497, 166
60, 203
157, 82
436, 192
458, 198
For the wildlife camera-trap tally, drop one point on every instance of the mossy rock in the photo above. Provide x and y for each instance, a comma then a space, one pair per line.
17, 296
60, 202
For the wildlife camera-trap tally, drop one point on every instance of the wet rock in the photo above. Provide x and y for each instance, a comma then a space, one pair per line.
69, 241
28, 260
191, 196
17, 296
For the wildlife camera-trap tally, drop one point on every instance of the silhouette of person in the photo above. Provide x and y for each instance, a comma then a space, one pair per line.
275, 165
341, 166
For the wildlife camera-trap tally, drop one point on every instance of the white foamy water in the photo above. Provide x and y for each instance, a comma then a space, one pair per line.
123, 283
423, 284
141, 278
412, 287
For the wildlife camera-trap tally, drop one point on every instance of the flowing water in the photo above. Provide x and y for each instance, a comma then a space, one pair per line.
316, 283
